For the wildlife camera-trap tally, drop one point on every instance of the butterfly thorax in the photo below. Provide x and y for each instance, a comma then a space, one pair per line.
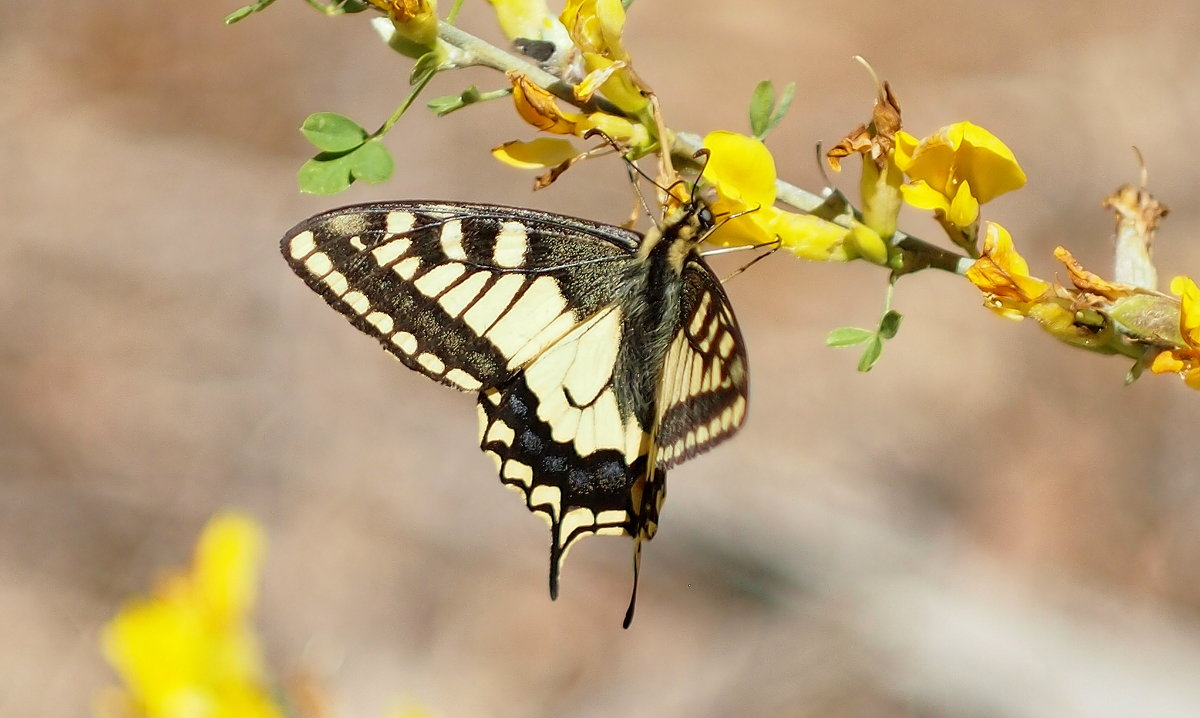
650, 307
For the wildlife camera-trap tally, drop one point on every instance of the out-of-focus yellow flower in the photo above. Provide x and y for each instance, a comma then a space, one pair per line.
956, 169
1003, 276
742, 171
189, 650
523, 18
595, 26
415, 21
1184, 360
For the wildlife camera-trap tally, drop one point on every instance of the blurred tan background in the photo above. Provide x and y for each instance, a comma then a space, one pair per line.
986, 525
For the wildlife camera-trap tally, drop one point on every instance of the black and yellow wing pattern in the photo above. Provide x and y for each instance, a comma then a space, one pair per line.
601, 357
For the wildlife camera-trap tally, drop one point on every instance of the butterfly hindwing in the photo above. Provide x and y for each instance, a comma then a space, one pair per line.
703, 390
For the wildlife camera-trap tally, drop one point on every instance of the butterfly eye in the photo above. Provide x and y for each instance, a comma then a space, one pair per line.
705, 217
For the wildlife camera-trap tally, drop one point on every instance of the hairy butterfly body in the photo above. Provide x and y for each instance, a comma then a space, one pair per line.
601, 357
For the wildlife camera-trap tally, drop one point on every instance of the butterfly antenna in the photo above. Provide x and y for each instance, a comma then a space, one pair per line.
775, 246
630, 168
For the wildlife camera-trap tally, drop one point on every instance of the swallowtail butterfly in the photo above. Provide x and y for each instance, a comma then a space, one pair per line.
601, 357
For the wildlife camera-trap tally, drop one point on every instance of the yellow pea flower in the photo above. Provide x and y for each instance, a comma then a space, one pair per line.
1002, 274
416, 24
1184, 360
540, 108
742, 171
881, 178
542, 153
189, 649
524, 18
956, 169
595, 26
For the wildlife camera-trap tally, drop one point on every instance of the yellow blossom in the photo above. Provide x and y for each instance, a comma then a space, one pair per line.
189, 649
529, 19
595, 26
416, 24
1184, 360
742, 171
880, 183
956, 169
1002, 275
542, 153
540, 108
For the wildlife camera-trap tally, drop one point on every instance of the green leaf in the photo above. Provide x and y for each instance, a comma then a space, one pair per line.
871, 354
445, 105
338, 7
890, 324
331, 132
327, 173
333, 172
785, 103
371, 163
242, 13
352, 6
761, 104
847, 336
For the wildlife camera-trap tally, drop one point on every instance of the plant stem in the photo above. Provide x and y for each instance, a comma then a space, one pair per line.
917, 253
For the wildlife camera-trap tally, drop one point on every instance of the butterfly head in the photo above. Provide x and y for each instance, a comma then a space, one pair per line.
685, 223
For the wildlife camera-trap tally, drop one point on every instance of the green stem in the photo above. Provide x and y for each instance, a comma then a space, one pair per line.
412, 96
478, 52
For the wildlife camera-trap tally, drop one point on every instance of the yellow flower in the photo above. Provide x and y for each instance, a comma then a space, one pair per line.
595, 26
1003, 276
742, 171
540, 108
189, 650
880, 183
956, 169
523, 18
542, 153
1184, 360
416, 24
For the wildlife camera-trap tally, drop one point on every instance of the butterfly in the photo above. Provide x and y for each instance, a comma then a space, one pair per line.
601, 357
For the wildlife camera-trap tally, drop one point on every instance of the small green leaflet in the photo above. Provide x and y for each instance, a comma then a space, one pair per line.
348, 153
765, 112
333, 172
445, 105
889, 325
331, 132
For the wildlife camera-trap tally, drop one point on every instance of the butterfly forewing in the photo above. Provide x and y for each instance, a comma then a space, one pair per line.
465, 294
